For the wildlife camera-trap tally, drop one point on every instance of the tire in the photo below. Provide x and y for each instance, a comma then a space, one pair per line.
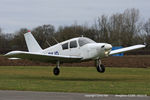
56, 71
101, 68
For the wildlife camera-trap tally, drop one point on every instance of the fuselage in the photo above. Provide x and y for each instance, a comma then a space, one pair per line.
80, 47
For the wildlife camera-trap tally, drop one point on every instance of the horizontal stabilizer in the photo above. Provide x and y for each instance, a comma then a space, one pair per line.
13, 58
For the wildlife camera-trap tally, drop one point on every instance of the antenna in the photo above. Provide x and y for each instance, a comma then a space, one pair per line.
55, 40
48, 43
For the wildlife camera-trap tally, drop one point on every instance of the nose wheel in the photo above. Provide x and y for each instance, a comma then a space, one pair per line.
100, 68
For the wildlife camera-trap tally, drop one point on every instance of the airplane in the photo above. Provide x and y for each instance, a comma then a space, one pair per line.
78, 49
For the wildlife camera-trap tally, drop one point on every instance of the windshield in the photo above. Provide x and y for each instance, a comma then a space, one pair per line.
83, 40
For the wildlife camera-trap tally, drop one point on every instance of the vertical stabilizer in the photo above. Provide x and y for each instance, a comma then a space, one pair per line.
32, 44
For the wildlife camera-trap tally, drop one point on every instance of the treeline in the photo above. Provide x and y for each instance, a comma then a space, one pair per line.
120, 29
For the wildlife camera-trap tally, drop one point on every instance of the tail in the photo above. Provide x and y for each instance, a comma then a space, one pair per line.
32, 44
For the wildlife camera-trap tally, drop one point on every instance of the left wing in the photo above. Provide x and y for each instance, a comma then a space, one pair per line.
126, 49
42, 57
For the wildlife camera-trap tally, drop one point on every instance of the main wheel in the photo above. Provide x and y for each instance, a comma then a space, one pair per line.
100, 68
56, 71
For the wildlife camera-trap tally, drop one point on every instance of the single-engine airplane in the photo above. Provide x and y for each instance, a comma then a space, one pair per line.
73, 50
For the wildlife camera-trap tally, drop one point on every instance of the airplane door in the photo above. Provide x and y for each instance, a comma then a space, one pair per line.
74, 48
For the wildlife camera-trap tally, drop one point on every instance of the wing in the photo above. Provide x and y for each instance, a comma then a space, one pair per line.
42, 57
126, 49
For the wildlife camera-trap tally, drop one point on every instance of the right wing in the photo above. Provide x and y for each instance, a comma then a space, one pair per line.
126, 49
42, 57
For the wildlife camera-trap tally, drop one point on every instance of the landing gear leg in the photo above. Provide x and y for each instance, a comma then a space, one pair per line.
100, 68
56, 70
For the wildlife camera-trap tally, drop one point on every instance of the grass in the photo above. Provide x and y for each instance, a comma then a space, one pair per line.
76, 79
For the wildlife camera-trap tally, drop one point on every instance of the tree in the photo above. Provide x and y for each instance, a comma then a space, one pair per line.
18, 42
1, 40
4, 42
146, 28
103, 28
44, 35
68, 32
120, 28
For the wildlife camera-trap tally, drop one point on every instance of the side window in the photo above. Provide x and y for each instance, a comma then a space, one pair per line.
73, 44
65, 46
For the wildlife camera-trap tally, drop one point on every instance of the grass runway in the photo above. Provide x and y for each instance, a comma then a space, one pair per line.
76, 79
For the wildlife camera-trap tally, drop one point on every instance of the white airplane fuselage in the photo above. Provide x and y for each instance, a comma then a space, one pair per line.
88, 51
73, 50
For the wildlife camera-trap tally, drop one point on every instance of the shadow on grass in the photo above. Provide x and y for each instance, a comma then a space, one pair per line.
89, 79
55, 78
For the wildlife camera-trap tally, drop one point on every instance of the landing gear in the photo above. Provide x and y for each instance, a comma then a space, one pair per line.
56, 70
100, 68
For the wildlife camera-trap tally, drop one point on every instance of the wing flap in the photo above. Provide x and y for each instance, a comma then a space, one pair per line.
126, 49
42, 57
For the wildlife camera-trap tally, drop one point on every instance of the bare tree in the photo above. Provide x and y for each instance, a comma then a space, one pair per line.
44, 34
68, 32
4, 42
146, 28
18, 41
1, 40
103, 28
120, 28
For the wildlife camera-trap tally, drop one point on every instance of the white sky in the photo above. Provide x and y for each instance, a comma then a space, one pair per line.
16, 14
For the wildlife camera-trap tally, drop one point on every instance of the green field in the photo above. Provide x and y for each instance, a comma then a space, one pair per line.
76, 79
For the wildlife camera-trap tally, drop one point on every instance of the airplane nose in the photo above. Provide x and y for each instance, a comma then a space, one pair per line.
108, 46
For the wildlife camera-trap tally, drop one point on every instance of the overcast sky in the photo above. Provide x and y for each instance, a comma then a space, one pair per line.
16, 14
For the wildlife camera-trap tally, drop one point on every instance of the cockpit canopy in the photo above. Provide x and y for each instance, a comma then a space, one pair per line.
74, 43
83, 40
